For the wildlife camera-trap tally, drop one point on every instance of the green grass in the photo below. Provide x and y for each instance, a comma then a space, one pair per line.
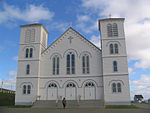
7, 99
19, 106
121, 107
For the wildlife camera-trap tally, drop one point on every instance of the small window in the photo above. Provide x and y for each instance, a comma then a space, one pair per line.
71, 85
85, 64
55, 65
31, 52
119, 87
28, 69
27, 53
115, 66
29, 89
24, 89
116, 48
114, 88
89, 84
52, 85
111, 48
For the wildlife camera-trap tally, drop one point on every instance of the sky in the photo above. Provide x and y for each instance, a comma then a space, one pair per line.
56, 15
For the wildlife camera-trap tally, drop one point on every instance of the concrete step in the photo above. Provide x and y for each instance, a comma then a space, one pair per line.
70, 104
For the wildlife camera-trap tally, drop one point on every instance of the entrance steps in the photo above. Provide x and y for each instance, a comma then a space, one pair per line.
70, 104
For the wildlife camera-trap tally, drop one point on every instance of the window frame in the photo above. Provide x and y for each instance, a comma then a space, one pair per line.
70, 63
27, 69
115, 66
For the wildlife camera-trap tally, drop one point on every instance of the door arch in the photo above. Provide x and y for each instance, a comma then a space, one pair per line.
52, 91
71, 91
89, 91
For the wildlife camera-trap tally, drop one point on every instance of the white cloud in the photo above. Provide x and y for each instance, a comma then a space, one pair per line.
131, 71
95, 40
12, 73
15, 58
141, 86
30, 14
83, 18
137, 24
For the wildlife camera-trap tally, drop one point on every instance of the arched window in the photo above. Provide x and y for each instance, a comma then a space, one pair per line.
89, 84
28, 69
116, 48
109, 30
29, 89
111, 48
115, 66
70, 85
27, 53
114, 87
55, 65
119, 87
52, 85
31, 52
85, 64
115, 29
24, 89
70, 67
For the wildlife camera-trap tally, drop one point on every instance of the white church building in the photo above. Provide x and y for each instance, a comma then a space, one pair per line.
72, 66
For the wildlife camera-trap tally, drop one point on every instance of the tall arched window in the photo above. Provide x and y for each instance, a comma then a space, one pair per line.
29, 89
24, 89
114, 87
111, 48
27, 53
119, 87
55, 65
70, 67
116, 48
85, 64
109, 30
115, 29
31, 52
28, 69
115, 66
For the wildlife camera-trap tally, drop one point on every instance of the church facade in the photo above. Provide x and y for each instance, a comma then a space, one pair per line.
72, 66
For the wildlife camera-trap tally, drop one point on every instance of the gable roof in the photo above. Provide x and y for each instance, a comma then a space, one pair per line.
77, 33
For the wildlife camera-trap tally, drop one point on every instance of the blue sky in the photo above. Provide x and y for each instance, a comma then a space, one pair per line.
56, 15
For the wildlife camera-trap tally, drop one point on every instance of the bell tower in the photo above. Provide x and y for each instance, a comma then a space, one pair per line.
33, 41
114, 61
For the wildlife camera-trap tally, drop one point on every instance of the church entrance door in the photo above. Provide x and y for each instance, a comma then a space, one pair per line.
52, 92
71, 91
89, 91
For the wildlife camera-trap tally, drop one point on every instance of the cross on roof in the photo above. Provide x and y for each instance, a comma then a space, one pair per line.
70, 38
109, 15
70, 24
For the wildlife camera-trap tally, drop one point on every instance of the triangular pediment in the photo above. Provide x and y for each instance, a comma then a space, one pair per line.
69, 34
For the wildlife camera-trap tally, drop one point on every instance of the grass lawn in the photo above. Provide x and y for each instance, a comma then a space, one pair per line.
121, 107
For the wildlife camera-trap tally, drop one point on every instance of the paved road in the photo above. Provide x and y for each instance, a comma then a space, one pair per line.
144, 108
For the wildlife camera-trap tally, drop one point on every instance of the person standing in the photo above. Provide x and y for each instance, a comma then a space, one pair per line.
64, 103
